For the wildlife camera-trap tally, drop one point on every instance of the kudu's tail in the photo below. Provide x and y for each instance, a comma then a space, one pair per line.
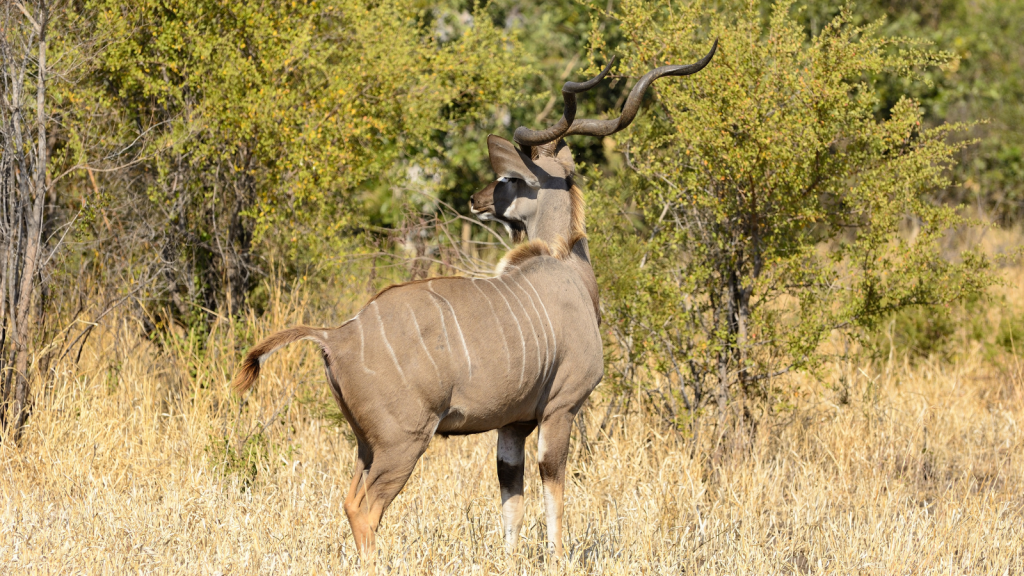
250, 369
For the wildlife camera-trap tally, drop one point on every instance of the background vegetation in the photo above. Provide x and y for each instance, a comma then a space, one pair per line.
807, 256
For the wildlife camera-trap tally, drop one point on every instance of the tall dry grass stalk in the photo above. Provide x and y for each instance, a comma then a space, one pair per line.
140, 460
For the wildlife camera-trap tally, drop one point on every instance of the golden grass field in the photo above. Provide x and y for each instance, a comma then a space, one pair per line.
137, 462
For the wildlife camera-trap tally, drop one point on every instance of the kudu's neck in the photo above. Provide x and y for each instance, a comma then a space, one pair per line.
550, 225
554, 225
552, 222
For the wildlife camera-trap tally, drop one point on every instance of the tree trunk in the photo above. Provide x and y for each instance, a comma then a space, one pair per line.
23, 217
33, 236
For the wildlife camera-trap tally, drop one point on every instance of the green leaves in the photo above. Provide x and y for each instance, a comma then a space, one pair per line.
270, 124
781, 206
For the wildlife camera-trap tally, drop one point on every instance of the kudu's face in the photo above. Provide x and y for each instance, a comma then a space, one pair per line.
524, 188
531, 189
507, 200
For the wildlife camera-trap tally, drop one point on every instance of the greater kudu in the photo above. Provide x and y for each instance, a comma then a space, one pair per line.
448, 356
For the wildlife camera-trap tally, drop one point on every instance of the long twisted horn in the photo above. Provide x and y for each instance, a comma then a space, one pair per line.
568, 125
526, 137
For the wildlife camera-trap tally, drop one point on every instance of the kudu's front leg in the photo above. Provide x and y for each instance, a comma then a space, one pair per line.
511, 461
552, 453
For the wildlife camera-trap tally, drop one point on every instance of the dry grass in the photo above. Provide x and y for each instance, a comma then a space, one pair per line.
128, 466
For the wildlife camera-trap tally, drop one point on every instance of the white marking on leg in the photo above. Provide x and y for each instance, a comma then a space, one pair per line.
510, 448
469, 362
509, 510
391, 350
362, 348
424, 344
553, 516
501, 326
511, 452
552, 502
547, 346
536, 341
522, 337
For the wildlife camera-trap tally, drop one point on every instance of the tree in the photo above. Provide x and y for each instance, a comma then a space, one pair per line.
987, 36
25, 184
269, 121
187, 140
776, 205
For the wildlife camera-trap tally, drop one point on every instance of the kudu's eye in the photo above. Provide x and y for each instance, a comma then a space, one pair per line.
505, 179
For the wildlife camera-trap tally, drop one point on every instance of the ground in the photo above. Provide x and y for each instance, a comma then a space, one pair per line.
128, 466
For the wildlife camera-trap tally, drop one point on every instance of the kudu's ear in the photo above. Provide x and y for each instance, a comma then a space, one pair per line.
564, 157
509, 162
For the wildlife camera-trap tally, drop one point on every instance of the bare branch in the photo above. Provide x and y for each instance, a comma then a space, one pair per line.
35, 25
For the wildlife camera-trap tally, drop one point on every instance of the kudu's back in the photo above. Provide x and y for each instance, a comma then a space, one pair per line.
460, 356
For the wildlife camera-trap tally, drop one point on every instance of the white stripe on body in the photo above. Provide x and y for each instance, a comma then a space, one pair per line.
522, 337
469, 363
362, 346
501, 326
444, 326
554, 339
391, 350
536, 340
547, 345
424, 344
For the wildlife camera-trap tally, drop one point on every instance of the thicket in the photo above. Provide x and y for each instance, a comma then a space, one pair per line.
192, 148
982, 84
167, 159
776, 208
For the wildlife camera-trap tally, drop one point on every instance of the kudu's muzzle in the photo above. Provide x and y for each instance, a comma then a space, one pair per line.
482, 202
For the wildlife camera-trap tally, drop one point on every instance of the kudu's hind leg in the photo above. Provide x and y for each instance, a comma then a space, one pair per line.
374, 489
511, 460
355, 505
552, 453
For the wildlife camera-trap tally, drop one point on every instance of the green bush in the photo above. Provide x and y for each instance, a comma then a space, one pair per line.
772, 191
1010, 336
922, 332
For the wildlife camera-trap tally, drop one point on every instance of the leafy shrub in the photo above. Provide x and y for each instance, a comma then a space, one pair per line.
928, 332
1010, 336
772, 191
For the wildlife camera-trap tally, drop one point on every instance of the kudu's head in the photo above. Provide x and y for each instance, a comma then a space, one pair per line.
534, 194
